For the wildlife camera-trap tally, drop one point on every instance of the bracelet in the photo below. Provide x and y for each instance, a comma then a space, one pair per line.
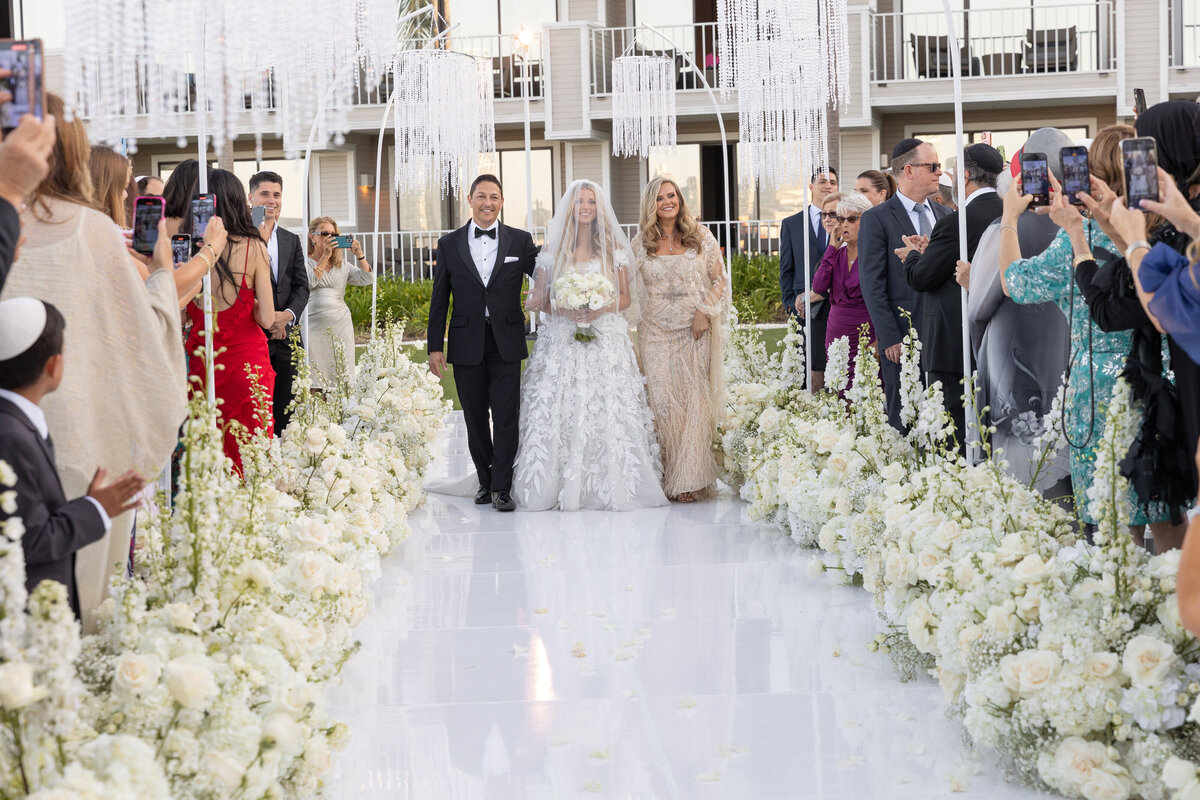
1082, 257
1012, 228
208, 264
1138, 245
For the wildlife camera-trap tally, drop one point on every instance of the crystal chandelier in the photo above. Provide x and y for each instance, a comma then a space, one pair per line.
643, 104
444, 117
273, 64
787, 62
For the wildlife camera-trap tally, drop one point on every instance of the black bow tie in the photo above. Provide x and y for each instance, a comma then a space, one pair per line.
481, 232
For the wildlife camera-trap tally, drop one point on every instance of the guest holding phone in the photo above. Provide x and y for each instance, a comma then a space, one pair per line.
24, 161
329, 317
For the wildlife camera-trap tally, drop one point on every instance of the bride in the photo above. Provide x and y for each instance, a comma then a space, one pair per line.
586, 432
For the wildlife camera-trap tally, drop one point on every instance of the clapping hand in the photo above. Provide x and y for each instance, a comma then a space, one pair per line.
911, 243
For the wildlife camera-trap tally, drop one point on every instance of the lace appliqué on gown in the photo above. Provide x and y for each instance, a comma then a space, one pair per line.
587, 435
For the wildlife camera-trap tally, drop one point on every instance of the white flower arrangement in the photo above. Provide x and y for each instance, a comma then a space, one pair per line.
583, 291
206, 678
1065, 657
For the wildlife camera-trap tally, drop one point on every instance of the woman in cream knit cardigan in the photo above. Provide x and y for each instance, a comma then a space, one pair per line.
123, 392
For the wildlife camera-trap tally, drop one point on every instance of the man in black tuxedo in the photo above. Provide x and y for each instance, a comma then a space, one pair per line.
791, 264
289, 280
482, 265
932, 272
882, 230
24, 162
31, 366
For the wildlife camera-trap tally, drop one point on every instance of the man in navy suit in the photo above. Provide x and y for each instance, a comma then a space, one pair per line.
483, 265
791, 264
931, 272
31, 366
882, 230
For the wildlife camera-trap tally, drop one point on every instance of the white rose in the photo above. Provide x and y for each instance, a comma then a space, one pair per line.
314, 440
946, 534
225, 768
16, 685
308, 569
1003, 623
1077, 758
928, 562
1104, 785
137, 673
254, 572
768, 420
826, 440
190, 684
317, 755
182, 617
282, 731
309, 532
1102, 665
1029, 672
1031, 569
1177, 773
952, 683
968, 636
1148, 660
1012, 549
900, 569
920, 620
893, 473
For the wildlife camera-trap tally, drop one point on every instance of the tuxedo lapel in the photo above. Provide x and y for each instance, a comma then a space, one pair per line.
282, 248
464, 251
502, 240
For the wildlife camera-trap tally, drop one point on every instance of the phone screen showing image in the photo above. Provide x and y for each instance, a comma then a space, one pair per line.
1035, 178
1140, 162
1075, 173
147, 212
203, 209
23, 61
181, 248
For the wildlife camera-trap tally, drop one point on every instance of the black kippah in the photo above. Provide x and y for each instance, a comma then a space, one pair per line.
905, 146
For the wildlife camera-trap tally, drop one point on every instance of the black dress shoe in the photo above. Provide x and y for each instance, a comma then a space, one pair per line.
483, 496
502, 501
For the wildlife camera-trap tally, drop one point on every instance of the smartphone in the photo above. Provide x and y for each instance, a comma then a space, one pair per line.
147, 213
342, 242
204, 208
1076, 177
1139, 158
1035, 178
23, 60
257, 215
181, 248
1139, 102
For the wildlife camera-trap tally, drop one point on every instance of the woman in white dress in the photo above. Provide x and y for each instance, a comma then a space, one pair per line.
586, 433
328, 315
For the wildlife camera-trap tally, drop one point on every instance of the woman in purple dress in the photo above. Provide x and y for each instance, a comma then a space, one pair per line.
837, 279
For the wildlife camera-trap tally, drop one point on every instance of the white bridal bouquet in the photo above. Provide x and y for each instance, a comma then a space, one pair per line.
581, 291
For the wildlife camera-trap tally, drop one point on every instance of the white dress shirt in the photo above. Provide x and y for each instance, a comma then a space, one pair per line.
38, 418
273, 251
483, 250
910, 206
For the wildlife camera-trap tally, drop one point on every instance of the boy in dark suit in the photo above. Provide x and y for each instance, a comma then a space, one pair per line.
31, 367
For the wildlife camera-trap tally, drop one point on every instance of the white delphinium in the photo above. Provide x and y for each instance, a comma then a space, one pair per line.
791, 355
837, 368
912, 389
1052, 439
1108, 495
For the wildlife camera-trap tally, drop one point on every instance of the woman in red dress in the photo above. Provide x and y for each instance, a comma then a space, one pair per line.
243, 304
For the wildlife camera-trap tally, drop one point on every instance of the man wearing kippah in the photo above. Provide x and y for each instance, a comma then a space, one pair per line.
34, 506
930, 271
881, 232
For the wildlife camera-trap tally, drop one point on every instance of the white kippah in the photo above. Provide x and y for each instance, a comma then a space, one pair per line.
22, 321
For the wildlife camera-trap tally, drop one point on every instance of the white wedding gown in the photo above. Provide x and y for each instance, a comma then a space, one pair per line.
587, 434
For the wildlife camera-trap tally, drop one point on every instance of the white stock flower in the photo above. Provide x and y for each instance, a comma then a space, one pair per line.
1148, 660
8, 477
136, 673
190, 684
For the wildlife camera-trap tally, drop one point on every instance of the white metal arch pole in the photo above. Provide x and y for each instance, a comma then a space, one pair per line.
202, 188
724, 149
969, 417
806, 171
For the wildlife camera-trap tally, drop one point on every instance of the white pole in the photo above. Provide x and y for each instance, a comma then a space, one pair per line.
960, 179
527, 84
202, 188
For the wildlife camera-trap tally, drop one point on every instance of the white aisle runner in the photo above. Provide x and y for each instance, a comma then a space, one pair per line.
673, 653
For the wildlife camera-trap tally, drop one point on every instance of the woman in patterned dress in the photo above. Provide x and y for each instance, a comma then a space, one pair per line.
681, 337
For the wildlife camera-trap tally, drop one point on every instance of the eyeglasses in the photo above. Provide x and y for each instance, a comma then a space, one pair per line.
326, 233
934, 166
828, 215
851, 220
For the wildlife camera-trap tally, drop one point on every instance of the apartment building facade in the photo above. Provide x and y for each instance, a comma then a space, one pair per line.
1026, 63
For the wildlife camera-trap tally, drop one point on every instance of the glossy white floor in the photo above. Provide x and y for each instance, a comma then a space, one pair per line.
675, 653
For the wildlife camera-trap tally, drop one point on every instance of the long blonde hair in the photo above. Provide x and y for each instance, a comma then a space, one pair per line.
685, 223
70, 177
110, 181
313, 225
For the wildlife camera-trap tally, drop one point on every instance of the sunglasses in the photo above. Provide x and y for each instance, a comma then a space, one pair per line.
828, 215
326, 233
934, 166
851, 220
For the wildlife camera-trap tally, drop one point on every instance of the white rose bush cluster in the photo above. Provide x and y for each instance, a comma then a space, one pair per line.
206, 679
1065, 658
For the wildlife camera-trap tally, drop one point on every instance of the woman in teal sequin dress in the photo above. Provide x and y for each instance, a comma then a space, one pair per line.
1049, 277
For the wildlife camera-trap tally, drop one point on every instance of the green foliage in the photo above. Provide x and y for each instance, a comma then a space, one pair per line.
398, 299
756, 288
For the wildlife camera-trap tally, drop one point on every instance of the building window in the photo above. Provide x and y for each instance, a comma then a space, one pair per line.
1008, 142
683, 167
292, 172
492, 17
509, 167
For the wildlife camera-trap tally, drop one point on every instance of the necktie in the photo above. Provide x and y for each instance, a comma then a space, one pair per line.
822, 237
489, 232
923, 216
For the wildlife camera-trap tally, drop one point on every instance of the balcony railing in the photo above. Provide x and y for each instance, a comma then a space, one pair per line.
698, 40
1022, 40
1185, 34
410, 255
